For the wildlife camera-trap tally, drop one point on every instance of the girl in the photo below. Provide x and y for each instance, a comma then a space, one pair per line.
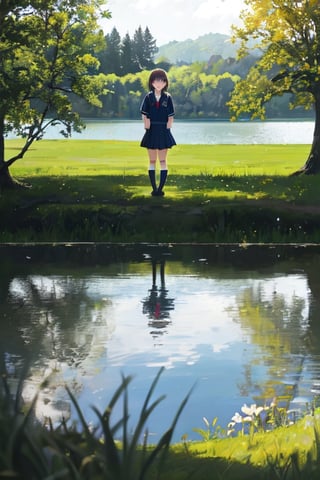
157, 113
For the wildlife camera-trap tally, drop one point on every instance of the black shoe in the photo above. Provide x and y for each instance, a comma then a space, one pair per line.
154, 193
160, 193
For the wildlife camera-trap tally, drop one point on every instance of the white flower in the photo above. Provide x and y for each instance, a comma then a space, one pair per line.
237, 418
253, 410
247, 419
258, 411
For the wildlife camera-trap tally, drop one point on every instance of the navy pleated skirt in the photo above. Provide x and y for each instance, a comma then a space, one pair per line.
158, 137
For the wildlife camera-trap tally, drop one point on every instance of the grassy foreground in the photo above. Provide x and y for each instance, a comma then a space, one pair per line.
286, 453
86, 190
110, 450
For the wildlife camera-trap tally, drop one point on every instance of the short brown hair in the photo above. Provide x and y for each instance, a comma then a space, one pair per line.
158, 73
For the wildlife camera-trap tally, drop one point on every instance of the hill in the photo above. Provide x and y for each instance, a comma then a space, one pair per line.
199, 50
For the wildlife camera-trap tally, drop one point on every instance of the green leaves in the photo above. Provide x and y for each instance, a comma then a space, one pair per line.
109, 451
46, 57
288, 37
129, 459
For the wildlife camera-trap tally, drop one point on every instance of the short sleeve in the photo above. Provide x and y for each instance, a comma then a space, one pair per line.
171, 111
145, 106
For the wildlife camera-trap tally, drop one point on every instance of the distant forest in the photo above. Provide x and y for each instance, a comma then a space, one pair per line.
200, 86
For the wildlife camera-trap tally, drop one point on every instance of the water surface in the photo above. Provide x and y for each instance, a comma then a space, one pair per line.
200, 132
238, 324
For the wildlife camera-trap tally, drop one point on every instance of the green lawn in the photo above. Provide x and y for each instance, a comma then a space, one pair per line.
89, 157
84, 190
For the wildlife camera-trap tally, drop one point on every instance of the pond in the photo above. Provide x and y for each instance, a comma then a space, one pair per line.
240, 324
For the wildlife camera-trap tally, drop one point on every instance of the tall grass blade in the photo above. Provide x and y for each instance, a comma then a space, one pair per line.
111, 453
117, 395
152, 388
125, 419
80, 414
165, 440
144, 415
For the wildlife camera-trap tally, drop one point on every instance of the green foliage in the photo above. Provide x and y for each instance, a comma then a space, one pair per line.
287, 35
212, 431
125, 460
99, 191
128, 55
196, 94
262, 418
109, 451
48, 54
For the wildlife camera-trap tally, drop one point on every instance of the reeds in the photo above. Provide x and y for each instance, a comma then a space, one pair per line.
111, 450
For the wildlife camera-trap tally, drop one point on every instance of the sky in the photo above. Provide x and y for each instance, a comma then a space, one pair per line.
170, 20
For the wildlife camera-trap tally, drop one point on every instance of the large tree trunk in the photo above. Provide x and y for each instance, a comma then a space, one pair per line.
6, 180
312, 165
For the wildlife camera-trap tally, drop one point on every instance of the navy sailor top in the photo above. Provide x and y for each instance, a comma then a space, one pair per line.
160, 111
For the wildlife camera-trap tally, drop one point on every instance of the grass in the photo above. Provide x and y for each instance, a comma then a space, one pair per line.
107, 450
94, 158
84, 190
285, 453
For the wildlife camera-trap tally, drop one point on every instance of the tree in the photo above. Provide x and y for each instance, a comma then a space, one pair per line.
150, 49
127, 62
144, 49
138, 49
47, 56
287, 33
110, 61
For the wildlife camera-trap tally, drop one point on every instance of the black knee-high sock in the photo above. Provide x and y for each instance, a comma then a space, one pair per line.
152, 176
163, 178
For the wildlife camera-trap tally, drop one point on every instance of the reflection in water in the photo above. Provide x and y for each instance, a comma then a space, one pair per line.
274, 314
157, 305
241, 323
54, 325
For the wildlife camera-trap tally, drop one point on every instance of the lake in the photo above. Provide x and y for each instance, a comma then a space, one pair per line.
240, 324
200, 132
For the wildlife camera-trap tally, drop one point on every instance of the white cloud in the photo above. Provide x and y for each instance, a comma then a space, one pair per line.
173, 19
216, 9
146, 5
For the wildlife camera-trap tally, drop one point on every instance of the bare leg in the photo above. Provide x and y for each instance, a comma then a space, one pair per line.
162, 154
153, 154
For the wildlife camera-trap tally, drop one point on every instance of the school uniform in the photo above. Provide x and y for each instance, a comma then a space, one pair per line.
158, 136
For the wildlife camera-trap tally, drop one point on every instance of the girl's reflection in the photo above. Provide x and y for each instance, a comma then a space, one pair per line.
157, 305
